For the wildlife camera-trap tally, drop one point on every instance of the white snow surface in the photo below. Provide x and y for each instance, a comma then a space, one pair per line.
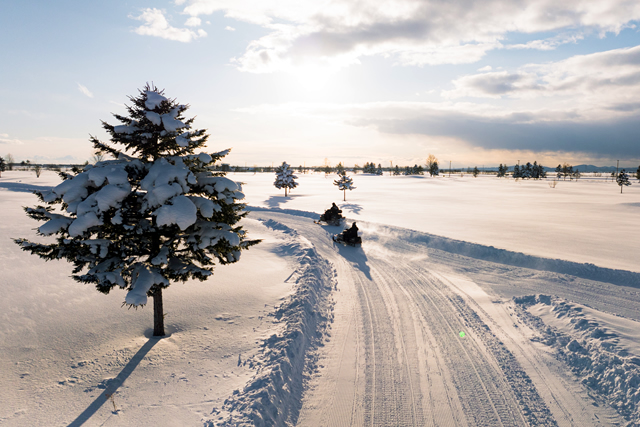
438, 319
585, 221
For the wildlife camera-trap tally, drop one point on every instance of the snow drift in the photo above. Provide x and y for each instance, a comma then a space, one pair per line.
273, 396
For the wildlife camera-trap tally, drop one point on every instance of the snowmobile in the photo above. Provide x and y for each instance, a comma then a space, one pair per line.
349, 236
332, 216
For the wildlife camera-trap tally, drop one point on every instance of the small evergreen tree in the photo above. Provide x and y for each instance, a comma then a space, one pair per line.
285, 178
623, 179
559, 171
475, 172
339, 168
396, 170
638, 174
576, 174
3, 166
379, 170
432, 165
344, 183
537, 171
502, 171
516, 172
155, 214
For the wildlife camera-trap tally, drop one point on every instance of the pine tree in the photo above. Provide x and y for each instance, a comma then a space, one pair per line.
379, 169
638, 174
153, 215
344, 183
432, 165
516, 172
623, 179
285, 178
475, 172
559, 171
396, 170
3, 166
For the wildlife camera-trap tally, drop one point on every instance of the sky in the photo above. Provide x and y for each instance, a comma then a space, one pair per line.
476, 83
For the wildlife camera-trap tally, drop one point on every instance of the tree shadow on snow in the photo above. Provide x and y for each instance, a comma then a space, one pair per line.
24, 188
356, 256
352, 207
111, 386
275, 201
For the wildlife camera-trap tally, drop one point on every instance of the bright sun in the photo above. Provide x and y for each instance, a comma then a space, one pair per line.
314, 80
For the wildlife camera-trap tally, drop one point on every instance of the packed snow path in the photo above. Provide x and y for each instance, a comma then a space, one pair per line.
415, 342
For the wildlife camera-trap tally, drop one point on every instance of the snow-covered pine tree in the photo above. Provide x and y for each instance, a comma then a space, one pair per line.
154, 215
623, 179
516, 171
285, 178
379, 169
3, 165
344, 183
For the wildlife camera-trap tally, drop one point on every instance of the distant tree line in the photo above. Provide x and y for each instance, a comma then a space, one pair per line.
529, 170
566, 170
371, 167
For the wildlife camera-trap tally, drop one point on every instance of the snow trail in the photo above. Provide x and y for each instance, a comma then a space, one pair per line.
396, 355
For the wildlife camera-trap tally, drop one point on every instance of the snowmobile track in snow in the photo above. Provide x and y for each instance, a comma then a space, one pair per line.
396, 355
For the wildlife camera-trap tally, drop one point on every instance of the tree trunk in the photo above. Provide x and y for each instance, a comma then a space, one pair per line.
158, 314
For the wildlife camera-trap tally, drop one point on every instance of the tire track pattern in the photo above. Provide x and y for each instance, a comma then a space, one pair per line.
492, 387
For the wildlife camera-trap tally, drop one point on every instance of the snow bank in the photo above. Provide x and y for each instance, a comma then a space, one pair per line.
273, 396
590, 347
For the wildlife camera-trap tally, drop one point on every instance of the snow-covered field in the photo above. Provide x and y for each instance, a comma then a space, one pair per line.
471, 302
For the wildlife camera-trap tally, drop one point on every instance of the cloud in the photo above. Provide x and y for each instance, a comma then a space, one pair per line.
194, 21
596, 81
85, 91
155, 24
411, 32
481, 125
228, 28
5, 139
548, 44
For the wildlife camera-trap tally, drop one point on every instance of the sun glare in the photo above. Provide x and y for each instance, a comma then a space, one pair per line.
315, 80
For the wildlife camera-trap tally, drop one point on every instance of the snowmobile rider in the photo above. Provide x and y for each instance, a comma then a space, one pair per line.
332, 213
351, 233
